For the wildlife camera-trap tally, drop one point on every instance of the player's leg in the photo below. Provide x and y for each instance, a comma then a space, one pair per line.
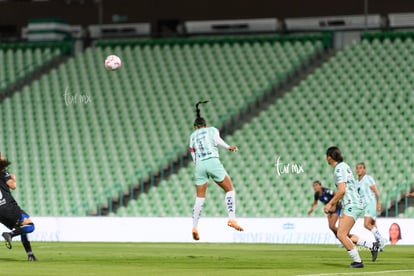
27, 222
370, 223
230, 201
345, 225
360, 241
332, 219
220, 176
8, 220
28, 248
24, 225
198, 207
372, 246
201, 182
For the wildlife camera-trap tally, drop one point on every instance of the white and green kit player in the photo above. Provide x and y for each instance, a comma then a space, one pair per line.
204, 143
352, 207
370, 196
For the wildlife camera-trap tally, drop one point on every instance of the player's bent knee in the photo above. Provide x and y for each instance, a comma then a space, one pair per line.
368, 225
342, 235
28, 228
26, 221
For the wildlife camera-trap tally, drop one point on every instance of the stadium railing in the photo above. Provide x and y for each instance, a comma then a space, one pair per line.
396, 201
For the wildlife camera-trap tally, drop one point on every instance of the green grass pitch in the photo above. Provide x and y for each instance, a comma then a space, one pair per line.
58, 258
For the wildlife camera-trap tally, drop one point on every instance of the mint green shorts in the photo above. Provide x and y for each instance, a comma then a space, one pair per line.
371, 210
205, 169
355, 211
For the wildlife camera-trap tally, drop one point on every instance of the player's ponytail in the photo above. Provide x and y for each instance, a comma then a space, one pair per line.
199, 121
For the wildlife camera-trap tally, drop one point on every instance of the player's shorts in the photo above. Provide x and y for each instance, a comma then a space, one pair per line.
12, 216
211, 167
371, 209
338, 210
354, 211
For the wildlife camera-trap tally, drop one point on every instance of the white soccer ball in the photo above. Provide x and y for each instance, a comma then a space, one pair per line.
112, 62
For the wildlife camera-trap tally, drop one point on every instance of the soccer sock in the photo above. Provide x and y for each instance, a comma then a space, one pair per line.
230, 201
376, 234
353, 253
198, 207
365, 243
24, 229
26, 244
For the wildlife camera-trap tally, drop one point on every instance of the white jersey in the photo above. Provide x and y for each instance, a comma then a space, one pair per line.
204, 143
343, 173
365, 185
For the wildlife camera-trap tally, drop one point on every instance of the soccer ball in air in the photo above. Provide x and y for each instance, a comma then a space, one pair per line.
112, 62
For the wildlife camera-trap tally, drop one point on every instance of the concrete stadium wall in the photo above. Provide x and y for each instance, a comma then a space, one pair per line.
155, 11
257, 230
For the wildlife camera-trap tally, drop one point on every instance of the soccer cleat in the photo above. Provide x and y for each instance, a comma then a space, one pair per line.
233, 223
382, 244
31, 258
7, 239
374, 251
195, 234
356, 265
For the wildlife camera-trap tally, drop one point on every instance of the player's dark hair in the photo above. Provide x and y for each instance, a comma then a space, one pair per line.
4, 163
335, 154
318, 182
199, 121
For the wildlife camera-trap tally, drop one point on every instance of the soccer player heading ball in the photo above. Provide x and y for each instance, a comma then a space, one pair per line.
204, 142
11, 215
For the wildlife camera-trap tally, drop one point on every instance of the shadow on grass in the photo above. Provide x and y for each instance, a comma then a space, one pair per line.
335, 265
13, 260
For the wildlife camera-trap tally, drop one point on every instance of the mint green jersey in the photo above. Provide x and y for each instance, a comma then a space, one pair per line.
365, 185
343, 173
204, 143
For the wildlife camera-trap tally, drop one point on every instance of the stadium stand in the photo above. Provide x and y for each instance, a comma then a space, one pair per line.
360, 100
80, 135
18, 60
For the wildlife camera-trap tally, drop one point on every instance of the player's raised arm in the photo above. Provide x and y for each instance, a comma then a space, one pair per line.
220, 142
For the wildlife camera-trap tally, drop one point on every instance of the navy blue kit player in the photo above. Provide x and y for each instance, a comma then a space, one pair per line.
324, 195
11, 215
